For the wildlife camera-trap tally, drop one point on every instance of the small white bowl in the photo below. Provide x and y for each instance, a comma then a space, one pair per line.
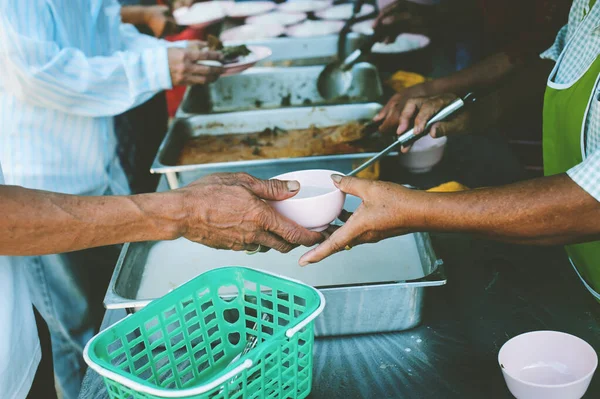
548, 365
424, 154
317, 204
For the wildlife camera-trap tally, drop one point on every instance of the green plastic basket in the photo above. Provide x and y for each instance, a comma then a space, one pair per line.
188, 343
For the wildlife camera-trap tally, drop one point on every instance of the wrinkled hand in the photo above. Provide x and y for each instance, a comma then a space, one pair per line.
386, 211
186, 71
420, 110
227, 211
390, 113
160, 20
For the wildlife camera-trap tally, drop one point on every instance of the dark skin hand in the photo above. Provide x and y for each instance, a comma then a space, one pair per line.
224, 211
184, 67
545, 211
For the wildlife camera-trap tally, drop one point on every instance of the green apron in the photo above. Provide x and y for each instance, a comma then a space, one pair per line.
565, 111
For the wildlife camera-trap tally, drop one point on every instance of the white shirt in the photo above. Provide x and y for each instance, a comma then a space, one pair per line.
66, 68
19, 344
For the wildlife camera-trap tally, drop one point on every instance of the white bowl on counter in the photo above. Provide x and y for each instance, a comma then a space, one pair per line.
424, 154
547, 365
317, 204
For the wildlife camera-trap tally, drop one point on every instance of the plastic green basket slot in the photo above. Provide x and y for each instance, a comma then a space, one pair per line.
185, 344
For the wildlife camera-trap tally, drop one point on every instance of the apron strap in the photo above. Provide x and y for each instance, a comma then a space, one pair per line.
585, 283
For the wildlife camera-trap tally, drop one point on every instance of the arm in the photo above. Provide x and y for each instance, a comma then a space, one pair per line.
544, 211
157, 18
35, 69
222, 211
496, 70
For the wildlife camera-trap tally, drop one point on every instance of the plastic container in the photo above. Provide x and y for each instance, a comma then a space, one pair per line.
318, 203
188, 343
548, 365
424, 154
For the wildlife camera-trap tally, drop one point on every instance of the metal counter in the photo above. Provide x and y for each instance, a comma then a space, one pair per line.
495, 291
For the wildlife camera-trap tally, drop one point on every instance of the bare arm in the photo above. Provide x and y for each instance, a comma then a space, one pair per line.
544, 211
157, 18
497, 70
221, 211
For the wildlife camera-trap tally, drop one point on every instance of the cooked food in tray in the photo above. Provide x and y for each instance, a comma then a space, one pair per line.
231, 54
274, 143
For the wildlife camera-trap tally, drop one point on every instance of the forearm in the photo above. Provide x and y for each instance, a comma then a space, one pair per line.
135, 15
37, 222
481, 75
549, 210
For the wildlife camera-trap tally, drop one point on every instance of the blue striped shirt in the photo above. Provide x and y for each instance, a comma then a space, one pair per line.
66, 68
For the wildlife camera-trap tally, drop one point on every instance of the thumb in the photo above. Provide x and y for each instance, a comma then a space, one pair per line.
351, 185
275, 190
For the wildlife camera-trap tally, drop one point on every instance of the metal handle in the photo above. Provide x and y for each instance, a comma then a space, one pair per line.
410, 137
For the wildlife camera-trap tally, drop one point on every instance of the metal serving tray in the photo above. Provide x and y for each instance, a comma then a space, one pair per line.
372, 288
291, 51
264, 88
254, 121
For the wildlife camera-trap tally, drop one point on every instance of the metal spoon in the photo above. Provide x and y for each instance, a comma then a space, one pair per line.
410, 137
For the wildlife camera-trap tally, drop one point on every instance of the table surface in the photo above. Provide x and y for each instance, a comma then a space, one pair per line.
494, 292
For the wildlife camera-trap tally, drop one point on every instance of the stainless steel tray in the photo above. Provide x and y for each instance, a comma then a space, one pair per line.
372, 288
291, 51
264, 88
255, 121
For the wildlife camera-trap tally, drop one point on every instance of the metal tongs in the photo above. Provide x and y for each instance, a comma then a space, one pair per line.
409, 136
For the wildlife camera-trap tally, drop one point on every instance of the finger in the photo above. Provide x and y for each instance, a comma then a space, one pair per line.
194, 54
352, 185
289, 230
205, 70
384, 111
337, 242
210, 55
446, 128
273, 189
268, 240
390, 124
426, 112
409, 111
405, 149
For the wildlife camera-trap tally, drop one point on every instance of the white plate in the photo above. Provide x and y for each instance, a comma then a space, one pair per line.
403, 43
252, 32
364, 27
277, 17
343, 11
257, 53
249, 8
201, 15
304, 5
315, 28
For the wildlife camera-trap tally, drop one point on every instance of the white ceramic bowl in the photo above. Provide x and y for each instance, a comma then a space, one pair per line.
424, 154
547, 365
317, 204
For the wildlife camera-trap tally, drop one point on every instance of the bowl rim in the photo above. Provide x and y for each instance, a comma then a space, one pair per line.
437, 143
335, 191
552, 332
